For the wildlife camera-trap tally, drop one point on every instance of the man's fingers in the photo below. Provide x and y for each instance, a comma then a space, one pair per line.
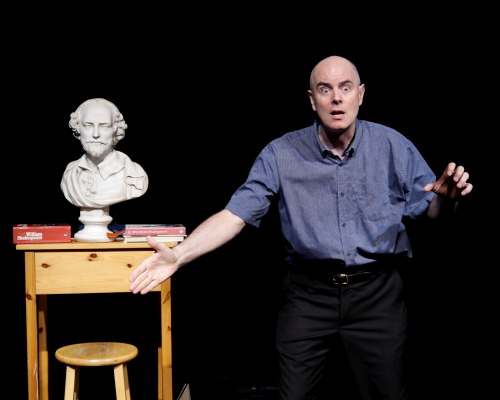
457, 175
155, 244
467, 190
144, 283
140, 283
139, 270
137, 281
160, 263
463, 180
428, 187
437, 185
450, 168
161, 250
444, 177
452, 182
150, 287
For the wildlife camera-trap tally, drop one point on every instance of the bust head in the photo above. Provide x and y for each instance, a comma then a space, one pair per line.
99, 126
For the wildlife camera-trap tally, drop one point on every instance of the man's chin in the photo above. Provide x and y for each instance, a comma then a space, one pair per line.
336, 128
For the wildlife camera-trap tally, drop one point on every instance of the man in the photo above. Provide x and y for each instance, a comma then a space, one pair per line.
102, 176
343, 187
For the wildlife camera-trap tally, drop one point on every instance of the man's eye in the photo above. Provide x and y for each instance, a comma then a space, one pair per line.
324, 90
346, 89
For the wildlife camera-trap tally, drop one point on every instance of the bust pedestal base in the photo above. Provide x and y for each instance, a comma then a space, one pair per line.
95, 227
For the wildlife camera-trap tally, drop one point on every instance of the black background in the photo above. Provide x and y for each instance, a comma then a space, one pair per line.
201, 100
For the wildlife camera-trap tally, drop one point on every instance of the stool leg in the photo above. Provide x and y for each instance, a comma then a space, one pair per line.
72, 383
121, 382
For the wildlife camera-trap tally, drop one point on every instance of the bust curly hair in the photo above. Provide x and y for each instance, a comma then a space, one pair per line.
119, 124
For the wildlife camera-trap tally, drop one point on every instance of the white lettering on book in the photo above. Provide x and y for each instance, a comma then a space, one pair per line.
31, 236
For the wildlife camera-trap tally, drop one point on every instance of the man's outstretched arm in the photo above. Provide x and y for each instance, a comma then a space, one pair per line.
220, 228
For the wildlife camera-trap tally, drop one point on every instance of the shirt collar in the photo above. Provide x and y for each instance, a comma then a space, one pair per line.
353, 146
112, 164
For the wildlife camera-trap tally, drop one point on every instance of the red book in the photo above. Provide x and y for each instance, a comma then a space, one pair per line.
40, 233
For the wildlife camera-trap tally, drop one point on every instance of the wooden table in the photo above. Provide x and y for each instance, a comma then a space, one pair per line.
69, 268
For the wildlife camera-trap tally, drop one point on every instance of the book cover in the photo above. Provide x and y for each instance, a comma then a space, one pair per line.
41, 233
153, 229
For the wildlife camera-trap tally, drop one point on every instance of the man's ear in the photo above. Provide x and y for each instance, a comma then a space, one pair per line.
311, 99
361, 93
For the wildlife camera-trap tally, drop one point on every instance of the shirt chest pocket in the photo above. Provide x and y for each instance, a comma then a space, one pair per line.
373, 201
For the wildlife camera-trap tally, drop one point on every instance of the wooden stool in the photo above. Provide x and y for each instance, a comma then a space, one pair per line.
96, 354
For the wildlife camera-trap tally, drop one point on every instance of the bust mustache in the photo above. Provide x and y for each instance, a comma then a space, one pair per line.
97, 149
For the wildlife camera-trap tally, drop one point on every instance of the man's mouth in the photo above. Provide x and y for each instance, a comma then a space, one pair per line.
336, 114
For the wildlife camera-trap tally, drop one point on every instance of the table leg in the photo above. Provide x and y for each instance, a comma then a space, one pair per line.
31, 325
43, 355
166, 341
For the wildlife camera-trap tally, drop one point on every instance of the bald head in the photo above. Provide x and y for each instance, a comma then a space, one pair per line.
336, 94
333, 65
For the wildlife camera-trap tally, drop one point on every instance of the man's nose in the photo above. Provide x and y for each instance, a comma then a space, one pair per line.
336, 96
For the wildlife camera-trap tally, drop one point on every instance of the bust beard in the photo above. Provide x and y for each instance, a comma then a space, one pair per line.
96, 149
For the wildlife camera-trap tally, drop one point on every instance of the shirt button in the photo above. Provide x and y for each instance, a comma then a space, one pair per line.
343, 225
341, 194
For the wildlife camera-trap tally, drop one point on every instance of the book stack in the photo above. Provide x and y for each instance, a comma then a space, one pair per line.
164, 233
41, 233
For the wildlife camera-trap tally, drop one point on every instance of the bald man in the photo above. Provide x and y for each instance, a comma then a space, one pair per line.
343, 187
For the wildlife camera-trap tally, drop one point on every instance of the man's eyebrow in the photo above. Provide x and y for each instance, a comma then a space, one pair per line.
342, 83
323, 84
346, 82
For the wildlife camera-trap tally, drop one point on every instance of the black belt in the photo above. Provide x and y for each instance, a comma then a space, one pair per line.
344, 279
334, 278
335, 274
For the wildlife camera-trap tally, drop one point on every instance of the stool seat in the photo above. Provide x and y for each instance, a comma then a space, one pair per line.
96, 354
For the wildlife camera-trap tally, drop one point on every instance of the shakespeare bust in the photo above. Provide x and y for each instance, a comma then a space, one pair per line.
103, 176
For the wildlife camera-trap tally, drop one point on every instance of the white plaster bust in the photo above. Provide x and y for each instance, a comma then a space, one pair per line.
102, 176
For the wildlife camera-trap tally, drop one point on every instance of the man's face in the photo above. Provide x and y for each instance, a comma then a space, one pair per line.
96, 130
336, 94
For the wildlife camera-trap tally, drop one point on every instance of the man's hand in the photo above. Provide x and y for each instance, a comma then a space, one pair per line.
154, 269
452, 183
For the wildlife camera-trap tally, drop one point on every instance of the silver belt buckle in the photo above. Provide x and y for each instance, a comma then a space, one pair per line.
341, 279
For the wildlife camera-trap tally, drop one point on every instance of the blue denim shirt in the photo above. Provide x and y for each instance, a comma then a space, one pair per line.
349, 210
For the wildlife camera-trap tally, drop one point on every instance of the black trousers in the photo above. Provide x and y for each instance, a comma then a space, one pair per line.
369, 317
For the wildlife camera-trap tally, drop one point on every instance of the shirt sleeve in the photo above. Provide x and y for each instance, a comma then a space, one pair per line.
252, 200
418, 174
